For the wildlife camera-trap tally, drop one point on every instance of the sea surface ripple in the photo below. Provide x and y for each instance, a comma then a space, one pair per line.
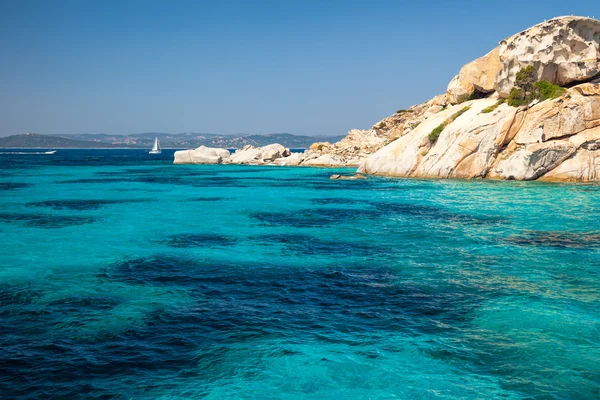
123, 276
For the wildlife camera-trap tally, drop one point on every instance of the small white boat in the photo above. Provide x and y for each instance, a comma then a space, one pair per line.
50, 152
156, 148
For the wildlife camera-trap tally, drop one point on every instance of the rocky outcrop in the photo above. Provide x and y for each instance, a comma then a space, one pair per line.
553, 140
201, 155
352, 150
247, 155
259, 155
478, 75
563, 50
347, 177
466, 147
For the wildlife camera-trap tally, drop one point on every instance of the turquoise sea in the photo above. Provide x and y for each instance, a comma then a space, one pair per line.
123, 276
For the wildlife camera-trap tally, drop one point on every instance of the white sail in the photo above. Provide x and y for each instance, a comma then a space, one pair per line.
156, 147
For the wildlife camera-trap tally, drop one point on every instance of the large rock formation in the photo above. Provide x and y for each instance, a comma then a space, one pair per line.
478, 75
259, 155
563, 51
553, 140
247, 155
201, 155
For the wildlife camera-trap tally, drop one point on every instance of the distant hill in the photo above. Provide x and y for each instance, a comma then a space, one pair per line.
34, 140
167, 140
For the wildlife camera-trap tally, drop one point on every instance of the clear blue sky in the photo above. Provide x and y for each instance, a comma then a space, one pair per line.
304, 67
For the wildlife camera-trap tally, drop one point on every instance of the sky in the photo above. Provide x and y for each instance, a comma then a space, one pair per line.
302, 67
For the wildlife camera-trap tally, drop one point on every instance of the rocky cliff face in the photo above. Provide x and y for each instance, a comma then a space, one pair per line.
508, 143
553, 140
563, 51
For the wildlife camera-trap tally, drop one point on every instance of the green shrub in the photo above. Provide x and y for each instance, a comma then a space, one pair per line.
404, 111
528, 88
545, 90
526, 77
414, 125
489, 109
459, 113
516, 98
435, 133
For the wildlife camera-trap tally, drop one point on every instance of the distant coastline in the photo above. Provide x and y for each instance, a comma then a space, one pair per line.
167, 141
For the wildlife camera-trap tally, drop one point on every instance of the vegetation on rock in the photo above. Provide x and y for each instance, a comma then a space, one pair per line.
436, 132
528, 88
490, 109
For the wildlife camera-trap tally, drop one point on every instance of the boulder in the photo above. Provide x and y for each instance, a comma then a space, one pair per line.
259, 155
347, 177
478, 75
326, 160
320, 146
584, 166
273, 151
533, 161
293, 159
201, 155
563, 50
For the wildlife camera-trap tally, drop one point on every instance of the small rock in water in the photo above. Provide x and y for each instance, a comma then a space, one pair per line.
347, 177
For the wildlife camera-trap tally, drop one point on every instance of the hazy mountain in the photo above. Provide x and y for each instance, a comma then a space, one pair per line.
34, 140
167, 140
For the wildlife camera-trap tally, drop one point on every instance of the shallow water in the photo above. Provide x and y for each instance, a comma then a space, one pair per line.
124, 276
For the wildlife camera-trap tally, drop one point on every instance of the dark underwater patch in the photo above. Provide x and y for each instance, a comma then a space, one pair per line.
205, 199
199, 240
91, 180
361, 184
557, 239
248, 170
336, 200
81, 205
45, 221
358, 295
310, 245
318, 217
159, 180
433, 212
11, 296
233, 306
313, 217
159, 270
217, 181
247, 301
14, 185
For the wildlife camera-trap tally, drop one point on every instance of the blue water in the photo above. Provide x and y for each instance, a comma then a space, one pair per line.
124, 276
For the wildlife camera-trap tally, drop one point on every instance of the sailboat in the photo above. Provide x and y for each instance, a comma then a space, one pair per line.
156, 148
